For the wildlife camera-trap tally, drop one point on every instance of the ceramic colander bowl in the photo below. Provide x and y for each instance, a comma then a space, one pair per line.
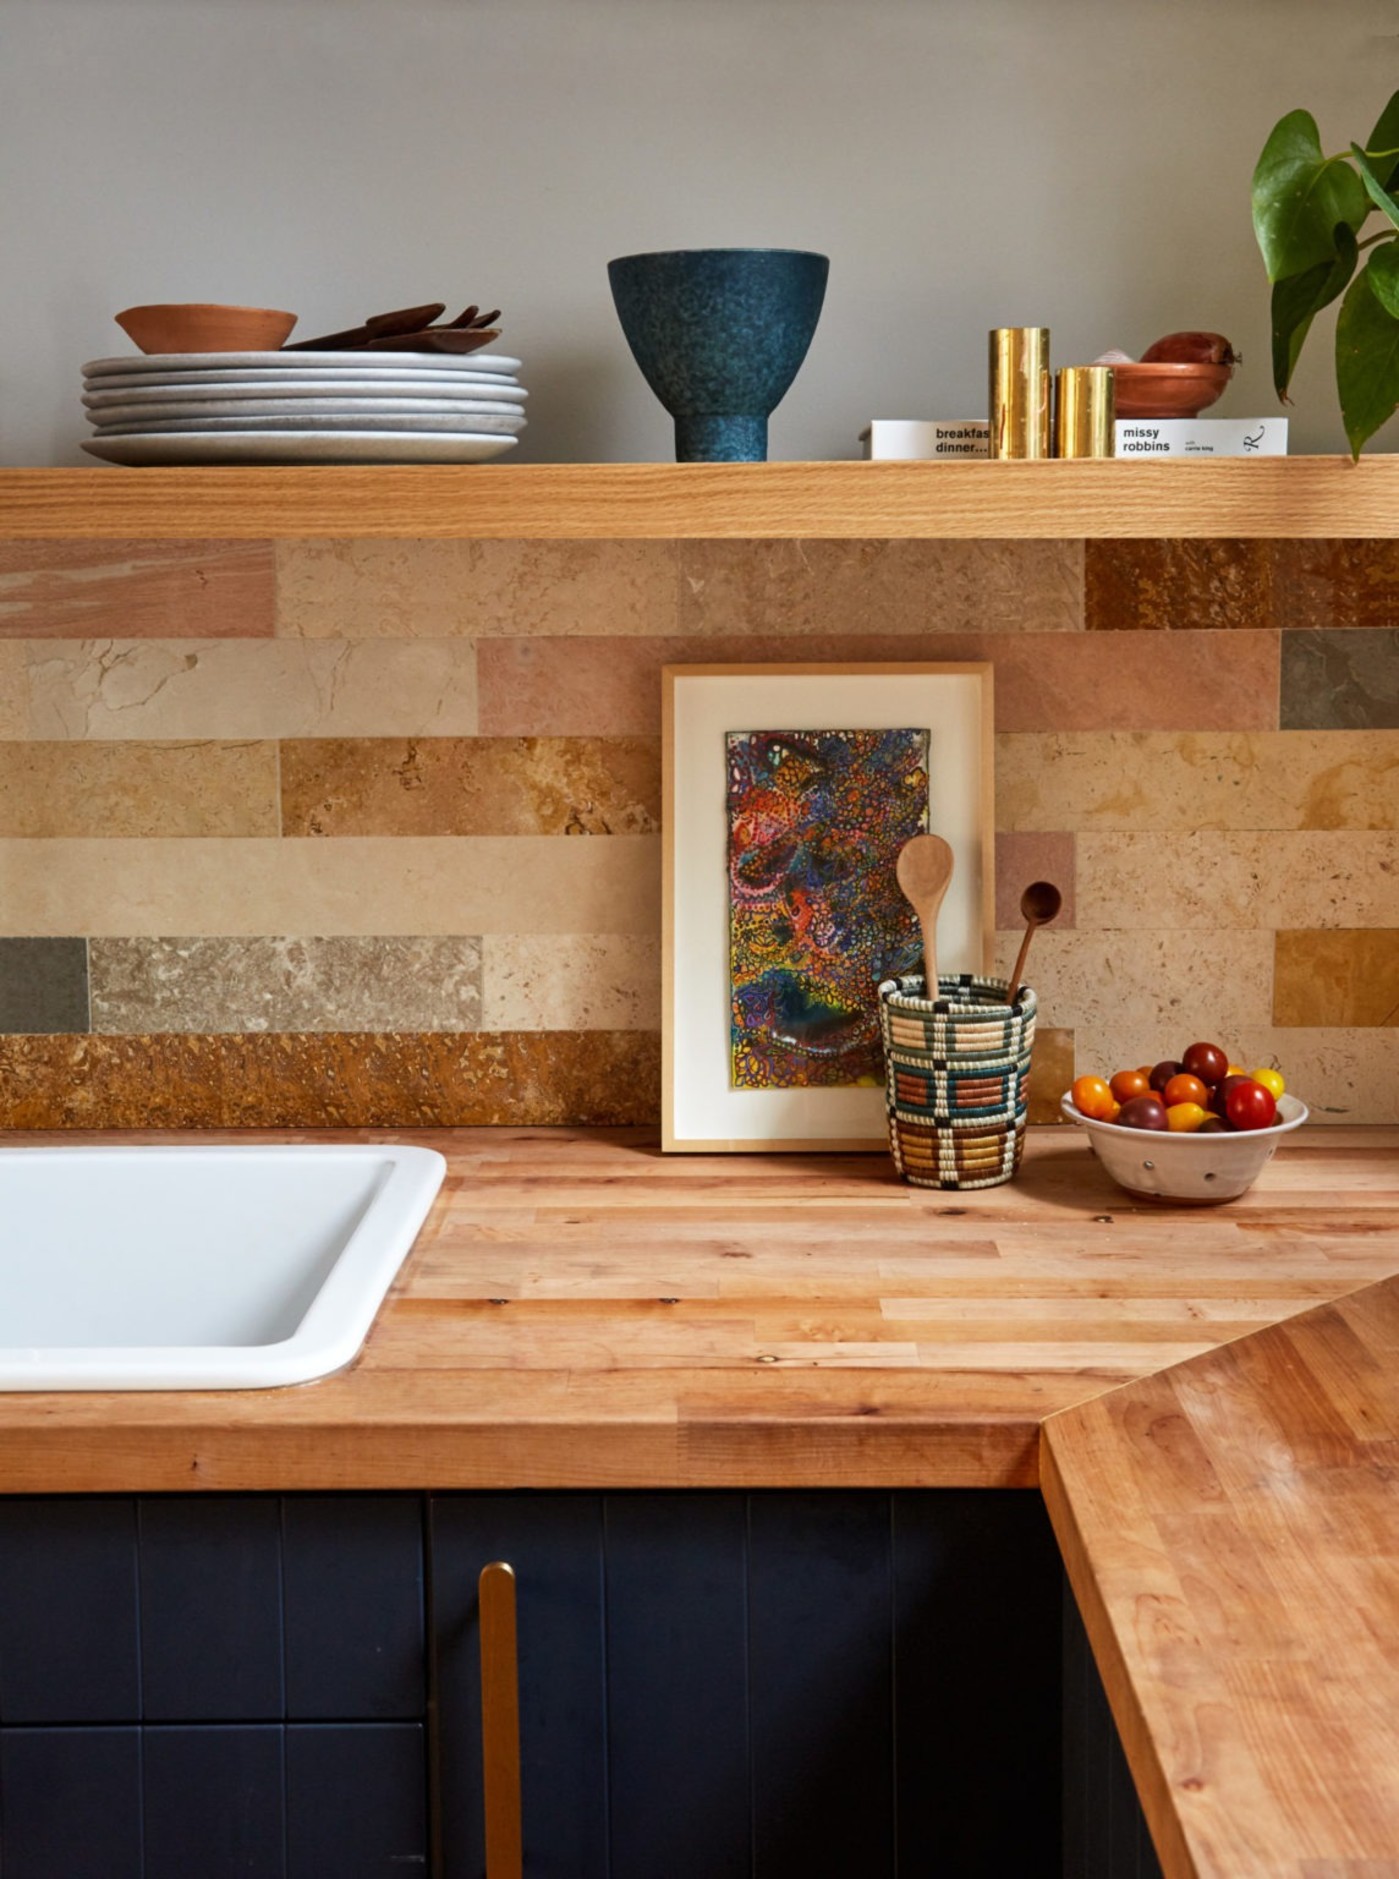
1192, 1170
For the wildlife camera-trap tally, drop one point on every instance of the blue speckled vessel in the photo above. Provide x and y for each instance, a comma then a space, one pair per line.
720, 334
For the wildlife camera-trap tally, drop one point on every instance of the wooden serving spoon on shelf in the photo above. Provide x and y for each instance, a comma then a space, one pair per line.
1039, 904
924, 869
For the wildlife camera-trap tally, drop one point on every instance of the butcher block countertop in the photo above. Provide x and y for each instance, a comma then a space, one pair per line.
1208, 1398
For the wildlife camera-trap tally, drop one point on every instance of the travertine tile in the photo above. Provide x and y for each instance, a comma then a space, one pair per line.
379, 983
14, 688
1167, 585
472, 786
1149, 982
571, 982
1341, 680
1044, 681
43, 985
138, 789
1023, 858
360, 884
1209, 882
1198, 780
328, 1080
1323, 584
441, 589
135, 589
1349, 977
256, 688
1051, 1071
1342, 1075
871, 587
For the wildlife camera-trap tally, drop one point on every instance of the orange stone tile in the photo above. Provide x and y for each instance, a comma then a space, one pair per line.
1345, 977
1051, 1071
136, 589
1323, 584
1200, 681
1170, 585
1025, 857
60, 789
472, 786
329, 1080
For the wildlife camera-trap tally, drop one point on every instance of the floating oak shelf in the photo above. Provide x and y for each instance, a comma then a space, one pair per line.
1284, 496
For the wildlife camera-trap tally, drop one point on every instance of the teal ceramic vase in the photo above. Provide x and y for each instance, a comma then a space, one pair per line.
720, 334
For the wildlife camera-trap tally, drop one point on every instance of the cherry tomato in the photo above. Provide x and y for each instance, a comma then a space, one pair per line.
1213, 1125
1186, 1118
1271, 1080
1250, 1106
1129, 1083
1236, 1070
1219, 1095
1206, 1061
1185, 1089
1144, 1112
1162, 1073
1092, 1097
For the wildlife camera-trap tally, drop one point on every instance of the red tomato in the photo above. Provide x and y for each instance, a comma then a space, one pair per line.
1184, 1089
1162, 1073
1144, 1112
1250, 1106
1206, 1061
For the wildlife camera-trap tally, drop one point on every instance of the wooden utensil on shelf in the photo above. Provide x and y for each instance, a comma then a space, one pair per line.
924, 869
1039, 904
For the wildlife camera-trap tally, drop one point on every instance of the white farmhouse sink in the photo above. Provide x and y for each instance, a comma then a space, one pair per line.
199, 1268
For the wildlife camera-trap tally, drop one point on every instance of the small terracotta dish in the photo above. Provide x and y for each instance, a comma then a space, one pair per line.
1165, 390
196, 327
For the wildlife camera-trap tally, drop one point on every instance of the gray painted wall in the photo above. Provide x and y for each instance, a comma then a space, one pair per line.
965, 163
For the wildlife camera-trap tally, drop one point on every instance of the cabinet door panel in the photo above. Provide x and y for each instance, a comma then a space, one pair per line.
677, 1685
976, 1629
213, 1803
554, 1543
72, 1803
68, 1611
356, 1801
211, 1608
353, 1566
822, 1684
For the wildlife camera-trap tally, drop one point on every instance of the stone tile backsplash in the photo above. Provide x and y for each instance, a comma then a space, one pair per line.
287, 832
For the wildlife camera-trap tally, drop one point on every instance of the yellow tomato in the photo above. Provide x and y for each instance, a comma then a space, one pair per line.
1271, 1080
1236, 1070
1185, 1118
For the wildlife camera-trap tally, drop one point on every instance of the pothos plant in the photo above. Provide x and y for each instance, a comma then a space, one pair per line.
1308, 210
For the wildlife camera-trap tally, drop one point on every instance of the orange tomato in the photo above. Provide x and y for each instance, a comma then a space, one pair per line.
1185, 1118
1129, 1083
1092, 1097
1184, 1089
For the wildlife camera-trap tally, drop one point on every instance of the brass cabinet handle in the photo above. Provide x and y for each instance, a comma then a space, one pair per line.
500, 1722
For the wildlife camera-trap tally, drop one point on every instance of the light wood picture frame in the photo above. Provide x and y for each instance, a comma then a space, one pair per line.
702, 706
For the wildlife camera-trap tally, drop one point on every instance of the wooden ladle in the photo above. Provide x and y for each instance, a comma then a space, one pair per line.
1039, 904
924, 869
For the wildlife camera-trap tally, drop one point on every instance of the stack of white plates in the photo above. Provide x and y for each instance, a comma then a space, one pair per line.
304, 407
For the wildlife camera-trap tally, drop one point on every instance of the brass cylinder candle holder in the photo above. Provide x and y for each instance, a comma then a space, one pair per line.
1084, 419
1019, 391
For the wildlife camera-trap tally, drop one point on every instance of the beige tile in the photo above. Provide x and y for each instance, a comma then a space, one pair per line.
1025, 858
860, 587
1342, 1075
1208, 883
571, 982
135, 588
370, 884
14, 688
480, 589
1197, 780
138, 789
1151, 983
1337, 978
251, 688
142, 987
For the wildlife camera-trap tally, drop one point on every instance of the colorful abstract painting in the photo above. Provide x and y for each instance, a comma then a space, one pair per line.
816, 820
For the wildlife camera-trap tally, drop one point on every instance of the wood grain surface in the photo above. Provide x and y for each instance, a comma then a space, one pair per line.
1296, 497
583, 1311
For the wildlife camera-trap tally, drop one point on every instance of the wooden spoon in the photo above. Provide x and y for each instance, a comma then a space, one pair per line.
1040, 903
924, 869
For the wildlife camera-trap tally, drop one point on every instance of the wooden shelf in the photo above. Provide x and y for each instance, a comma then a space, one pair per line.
1297, 496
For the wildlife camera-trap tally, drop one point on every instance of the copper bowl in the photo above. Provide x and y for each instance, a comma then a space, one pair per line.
199, 327
1167, 391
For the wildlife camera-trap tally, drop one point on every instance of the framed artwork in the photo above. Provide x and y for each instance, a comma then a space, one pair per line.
788, 793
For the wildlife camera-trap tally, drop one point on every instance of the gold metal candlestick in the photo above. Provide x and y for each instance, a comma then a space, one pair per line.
1020, 391
1084, 426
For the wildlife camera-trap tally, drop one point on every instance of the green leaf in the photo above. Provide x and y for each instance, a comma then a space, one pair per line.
1298, 299
1367, 362
1383, 270
1385, 136
1374, 188
1299, 198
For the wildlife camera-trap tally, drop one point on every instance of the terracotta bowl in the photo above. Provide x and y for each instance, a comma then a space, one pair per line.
196, 327
1167, 391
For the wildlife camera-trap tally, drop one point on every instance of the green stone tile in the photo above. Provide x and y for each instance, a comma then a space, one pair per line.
43, 985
